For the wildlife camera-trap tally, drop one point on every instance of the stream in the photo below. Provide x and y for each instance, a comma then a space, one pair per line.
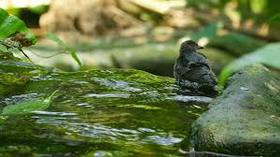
100, 113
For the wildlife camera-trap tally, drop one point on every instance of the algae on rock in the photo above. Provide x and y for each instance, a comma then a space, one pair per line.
116, 111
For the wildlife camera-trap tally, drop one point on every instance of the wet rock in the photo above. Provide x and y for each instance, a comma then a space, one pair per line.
244, 120
14, 75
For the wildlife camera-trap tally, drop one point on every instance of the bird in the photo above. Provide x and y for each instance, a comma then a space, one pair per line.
192, 71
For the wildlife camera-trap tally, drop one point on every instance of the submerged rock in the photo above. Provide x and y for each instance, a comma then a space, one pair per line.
245, 119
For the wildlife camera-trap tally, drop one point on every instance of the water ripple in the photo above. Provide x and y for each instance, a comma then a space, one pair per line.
183, 98
94, 95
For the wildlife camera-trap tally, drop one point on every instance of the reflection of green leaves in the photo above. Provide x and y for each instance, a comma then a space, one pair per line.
268, 55
27, 107
65, 47
10, 25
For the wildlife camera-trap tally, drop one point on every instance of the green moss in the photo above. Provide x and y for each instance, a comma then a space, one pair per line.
114, 111
10, 25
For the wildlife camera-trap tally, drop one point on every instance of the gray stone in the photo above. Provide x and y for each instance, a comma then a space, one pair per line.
245, 119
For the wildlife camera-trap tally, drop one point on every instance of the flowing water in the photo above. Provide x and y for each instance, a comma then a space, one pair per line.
100, 114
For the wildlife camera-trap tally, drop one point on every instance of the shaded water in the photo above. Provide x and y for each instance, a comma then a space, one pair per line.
100, 113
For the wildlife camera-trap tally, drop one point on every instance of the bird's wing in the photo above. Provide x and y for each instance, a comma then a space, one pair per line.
182, 70
197, 64
181, 67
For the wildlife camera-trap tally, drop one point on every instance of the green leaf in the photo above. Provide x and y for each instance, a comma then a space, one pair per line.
3, 15
55, 38
10, 25
29, 106
74, 55
268, 55
65, 47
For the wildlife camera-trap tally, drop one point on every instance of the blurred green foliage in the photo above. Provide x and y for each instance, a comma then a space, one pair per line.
10, 25
208, 32
268, 55
14, 11
65, 47
259, 10
235, 43
39, 9
36, 10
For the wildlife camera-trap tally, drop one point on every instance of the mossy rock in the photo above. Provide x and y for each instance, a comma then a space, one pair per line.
244, 120
14, 75
115, 111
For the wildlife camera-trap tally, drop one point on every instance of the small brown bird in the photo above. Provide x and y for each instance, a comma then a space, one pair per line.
193, 73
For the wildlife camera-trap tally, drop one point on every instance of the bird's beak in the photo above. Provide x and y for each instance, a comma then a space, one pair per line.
200, 47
